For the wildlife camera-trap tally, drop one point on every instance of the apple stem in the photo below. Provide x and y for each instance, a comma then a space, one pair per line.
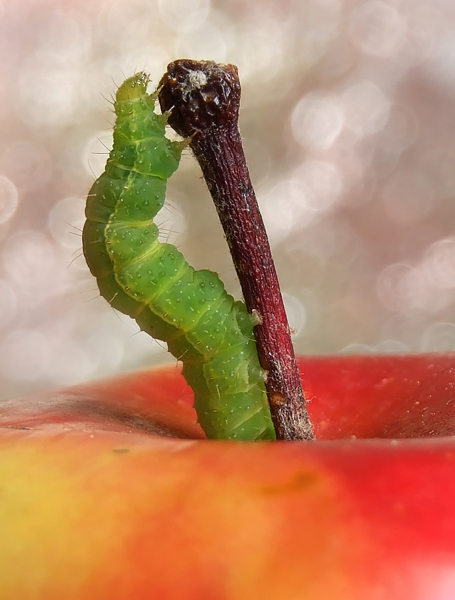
203, 99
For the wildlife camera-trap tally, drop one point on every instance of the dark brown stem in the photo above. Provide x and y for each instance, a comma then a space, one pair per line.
204, 100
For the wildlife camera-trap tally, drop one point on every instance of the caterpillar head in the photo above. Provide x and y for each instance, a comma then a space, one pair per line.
133, 88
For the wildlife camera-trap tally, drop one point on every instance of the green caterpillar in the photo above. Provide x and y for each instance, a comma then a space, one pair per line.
152, 283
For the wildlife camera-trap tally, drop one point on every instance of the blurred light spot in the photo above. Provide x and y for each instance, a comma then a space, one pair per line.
24, 354
406, 327
438, 162
402, 288
377, 28
47, 96
64, 36
358, 177
311, 31
338, 61
333, 237
366, 108
206, 40
401, 129
29, 259
96, 152
408, 197
357, 348
439, 263
391, 290
183, 15
8, 304
439, 337
425, 23
28, 164
311, 302
296, 313
65, 222
106, 342
130, 37
286, 208
399, 133
323, 182
258, 50
391, 347
440, 61
317, 121
68, 362
318, 12
9, 199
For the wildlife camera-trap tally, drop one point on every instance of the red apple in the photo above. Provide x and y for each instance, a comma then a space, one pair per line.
109, 490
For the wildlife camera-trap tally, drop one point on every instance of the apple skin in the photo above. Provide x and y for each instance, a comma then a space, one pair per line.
109, 490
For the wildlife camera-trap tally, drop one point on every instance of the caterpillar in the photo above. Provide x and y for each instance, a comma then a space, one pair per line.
204, 328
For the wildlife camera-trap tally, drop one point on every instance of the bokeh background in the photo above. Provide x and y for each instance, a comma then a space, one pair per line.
348, 121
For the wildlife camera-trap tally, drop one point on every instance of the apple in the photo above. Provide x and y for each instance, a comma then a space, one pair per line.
109, 490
